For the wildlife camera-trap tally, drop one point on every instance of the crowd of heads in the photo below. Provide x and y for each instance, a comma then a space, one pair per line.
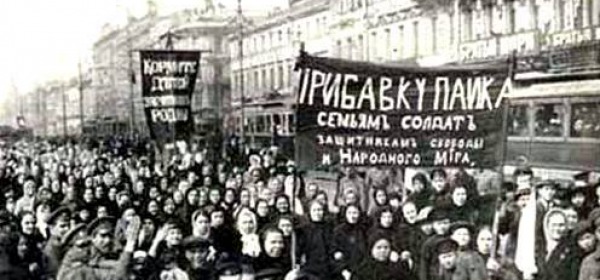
129, 213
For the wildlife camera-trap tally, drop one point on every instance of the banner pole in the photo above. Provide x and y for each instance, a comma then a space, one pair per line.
512, 64
294, 242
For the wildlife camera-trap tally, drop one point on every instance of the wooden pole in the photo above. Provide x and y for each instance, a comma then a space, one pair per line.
81, 111
505, 110
294, 242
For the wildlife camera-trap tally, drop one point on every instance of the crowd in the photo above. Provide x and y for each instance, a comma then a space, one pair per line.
76, 211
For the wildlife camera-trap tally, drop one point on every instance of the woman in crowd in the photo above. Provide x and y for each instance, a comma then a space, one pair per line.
350, 240
380, 199
380, 264
247, 226
384, 225
29, 230
314, 243
263, 212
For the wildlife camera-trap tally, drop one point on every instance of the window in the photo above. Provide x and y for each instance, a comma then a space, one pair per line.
280, 76
387, 42
256, 80
451, 35
434, 22
272, 77
373, 45
468, 26
338, 48
416, 37
585, 120
401, 41
260, 124
549, 119
318, 27
234, 82
361, 48
561, 15
280, 37
268, 123
263, 81
350, 49
578, 20
292, 119
249, 124
512, 25
517, 121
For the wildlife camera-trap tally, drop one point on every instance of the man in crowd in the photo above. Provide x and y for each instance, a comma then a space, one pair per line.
59, 223
211, 240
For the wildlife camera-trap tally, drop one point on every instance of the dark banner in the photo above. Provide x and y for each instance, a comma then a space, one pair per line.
168, 80
365, 114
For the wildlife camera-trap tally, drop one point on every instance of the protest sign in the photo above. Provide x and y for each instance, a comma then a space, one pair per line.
365, 114
168, 80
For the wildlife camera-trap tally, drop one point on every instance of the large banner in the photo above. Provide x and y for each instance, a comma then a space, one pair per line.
168, 80
365, 114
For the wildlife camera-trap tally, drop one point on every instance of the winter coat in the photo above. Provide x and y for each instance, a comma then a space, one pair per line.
316, 246
590, 266
390, 234
371, 269
428, 263
87, 263
351, 241
562, 263
469, 266
53, 253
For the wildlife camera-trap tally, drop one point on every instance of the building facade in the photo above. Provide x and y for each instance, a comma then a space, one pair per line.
207, 32
264, 74
115, 71
555, 43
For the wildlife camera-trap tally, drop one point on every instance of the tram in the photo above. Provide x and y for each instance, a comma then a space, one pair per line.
554, 122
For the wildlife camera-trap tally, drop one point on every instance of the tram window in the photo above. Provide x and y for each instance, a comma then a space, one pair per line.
249, 124
517, 121
268, 126
276, 119
260, 124
292, 118
585, 120
549, 119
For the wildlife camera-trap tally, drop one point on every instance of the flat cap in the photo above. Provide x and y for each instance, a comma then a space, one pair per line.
100, 223
446, 245
193, 242
60, 213
71, 237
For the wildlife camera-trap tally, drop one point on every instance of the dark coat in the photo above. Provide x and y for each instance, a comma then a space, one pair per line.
469, 266
370, 269
53, 254
590, 266
411, 240
83, 263
351, 241
562, 263
316, 246
428, 263
264, 262
390, 234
